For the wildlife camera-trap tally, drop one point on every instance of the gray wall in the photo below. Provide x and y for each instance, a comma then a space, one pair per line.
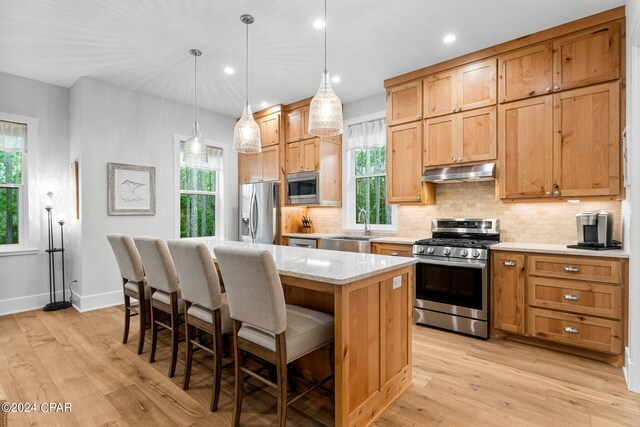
24, 281
113, 124
364, 106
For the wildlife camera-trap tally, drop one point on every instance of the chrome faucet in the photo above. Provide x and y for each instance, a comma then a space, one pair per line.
367, 231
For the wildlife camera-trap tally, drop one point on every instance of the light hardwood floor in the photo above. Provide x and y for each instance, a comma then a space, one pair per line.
78, 358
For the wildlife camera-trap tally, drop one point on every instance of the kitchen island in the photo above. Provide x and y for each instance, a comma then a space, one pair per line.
371, 298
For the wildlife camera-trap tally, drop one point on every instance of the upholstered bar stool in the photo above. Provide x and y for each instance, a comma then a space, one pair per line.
166, 296
134, 284
266, 327
206, 310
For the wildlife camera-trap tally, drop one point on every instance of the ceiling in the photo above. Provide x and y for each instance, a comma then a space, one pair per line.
143, 44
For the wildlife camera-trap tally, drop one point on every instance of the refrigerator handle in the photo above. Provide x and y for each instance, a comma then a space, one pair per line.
254, 207
250, 224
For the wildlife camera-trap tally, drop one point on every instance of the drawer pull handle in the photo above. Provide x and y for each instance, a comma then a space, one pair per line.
509, 263
571, 269
571, 329
394, 253
571, 297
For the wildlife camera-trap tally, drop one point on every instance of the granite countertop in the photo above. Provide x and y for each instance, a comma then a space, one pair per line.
557, 249
334, 267
374, 239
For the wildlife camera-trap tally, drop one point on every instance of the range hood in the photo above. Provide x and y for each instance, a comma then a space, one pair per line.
484, 172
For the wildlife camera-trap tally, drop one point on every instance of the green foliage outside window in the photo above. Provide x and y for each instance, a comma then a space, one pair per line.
197, 202
10, 173
371, 185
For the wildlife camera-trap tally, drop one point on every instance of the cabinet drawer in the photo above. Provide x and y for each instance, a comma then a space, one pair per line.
597, 270
579, 297
576, 330
392, 249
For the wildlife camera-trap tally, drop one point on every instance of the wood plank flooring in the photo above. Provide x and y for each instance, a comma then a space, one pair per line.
76, 357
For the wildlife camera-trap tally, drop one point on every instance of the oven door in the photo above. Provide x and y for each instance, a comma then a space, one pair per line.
453, 287
303, 188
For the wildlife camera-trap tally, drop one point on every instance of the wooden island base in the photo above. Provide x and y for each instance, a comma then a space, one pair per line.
373, 320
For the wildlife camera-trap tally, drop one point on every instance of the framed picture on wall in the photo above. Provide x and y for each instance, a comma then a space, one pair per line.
131, 189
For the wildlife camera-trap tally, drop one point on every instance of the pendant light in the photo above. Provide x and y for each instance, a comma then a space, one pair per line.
194, 149
325, 112
246, 134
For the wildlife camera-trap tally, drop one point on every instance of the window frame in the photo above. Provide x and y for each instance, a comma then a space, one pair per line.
349, 183
26, 198
219, 193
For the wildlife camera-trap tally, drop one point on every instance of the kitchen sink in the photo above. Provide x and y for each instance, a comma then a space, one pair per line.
360, 244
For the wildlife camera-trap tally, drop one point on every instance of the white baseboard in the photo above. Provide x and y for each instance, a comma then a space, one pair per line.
28, 303
631, 373
84, 303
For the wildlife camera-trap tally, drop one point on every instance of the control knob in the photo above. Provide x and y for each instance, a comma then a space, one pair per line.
447, 251
430, 250
421, 250
464, 252
475, 253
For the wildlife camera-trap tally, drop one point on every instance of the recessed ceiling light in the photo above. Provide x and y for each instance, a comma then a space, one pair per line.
264, 105
229, 70
449, 38
318, 23
336, 79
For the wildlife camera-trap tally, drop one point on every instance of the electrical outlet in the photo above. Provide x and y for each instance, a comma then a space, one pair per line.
397, 282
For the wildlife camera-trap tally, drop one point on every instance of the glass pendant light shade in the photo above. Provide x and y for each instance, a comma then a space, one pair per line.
325, 112
194, 151
246, 134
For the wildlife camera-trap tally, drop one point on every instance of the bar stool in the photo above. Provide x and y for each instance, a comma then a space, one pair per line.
266, 327
207, 311
134, 284
166, 296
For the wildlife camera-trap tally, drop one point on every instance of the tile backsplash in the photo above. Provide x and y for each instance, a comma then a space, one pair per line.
532, 222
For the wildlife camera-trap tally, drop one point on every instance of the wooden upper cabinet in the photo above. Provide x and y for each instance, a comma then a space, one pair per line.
298, 124
404, 103
440, 138
587, 141
293, 158
477, 139
249, 168
525, 144
310, 154
476, 85
270, 129
508, 290
440, 93
303, 156
589, 57
270, 159
525, 73
404, 163
470, 136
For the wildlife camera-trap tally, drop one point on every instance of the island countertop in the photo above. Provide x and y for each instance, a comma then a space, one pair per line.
335, 267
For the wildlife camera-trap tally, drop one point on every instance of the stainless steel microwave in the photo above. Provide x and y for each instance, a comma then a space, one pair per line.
303, 188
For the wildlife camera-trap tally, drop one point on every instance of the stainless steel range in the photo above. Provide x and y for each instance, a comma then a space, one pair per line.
452, 275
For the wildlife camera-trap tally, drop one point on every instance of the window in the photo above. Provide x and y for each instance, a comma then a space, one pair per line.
200, 196
13, 140
370, 169
366, 172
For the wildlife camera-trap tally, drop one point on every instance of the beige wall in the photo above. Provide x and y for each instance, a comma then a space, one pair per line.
548, 222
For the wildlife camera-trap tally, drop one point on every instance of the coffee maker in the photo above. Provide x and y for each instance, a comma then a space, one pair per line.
595, 229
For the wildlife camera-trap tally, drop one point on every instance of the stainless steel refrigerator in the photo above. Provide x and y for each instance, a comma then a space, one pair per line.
259, 210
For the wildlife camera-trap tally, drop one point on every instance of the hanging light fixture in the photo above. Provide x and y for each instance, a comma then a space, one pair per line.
246, 134
325, 112
194, 149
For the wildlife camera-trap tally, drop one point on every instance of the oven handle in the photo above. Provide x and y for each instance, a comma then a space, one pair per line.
478, 265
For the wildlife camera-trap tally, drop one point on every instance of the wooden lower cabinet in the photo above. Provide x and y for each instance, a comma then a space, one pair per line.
392, 249
569, 303
592, 333
508, 271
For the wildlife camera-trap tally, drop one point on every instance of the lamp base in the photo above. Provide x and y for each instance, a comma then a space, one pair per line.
59, 305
